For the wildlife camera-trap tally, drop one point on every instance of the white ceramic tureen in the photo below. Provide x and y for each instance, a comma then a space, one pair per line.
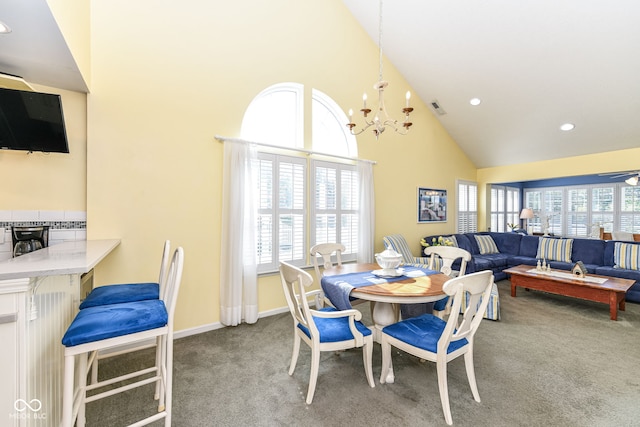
389, 260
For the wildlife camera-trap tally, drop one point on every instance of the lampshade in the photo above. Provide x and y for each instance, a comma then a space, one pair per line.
632, 181
527, 213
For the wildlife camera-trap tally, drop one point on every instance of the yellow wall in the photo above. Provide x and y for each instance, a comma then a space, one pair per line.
54, 181
167, 78
611, 161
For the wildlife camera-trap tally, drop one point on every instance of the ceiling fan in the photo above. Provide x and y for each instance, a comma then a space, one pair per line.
634, 176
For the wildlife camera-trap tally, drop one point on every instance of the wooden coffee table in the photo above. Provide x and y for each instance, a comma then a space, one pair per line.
604, 289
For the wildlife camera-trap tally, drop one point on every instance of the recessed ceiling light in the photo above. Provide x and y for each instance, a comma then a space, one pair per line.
475, 101
567, 127
4, 28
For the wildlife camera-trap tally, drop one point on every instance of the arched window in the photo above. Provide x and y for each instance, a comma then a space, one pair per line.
301, 198
276, 116
330, 133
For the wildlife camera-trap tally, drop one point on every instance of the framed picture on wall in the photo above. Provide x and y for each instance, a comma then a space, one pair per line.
432, 205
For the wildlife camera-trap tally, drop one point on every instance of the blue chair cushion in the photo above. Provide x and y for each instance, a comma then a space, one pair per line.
334, 329
116, 294
114, 320
422, 332
441, 304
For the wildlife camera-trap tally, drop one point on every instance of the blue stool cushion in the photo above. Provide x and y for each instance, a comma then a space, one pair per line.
116, 294
108, 321
335, 329
422, 332
441, 304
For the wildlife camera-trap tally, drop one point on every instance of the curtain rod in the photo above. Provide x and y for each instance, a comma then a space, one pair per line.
299, 150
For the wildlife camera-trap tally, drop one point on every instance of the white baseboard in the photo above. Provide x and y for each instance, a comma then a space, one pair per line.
186, 333
213, 326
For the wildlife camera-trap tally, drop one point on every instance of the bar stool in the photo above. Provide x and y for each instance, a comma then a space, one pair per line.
103, 327
128, 292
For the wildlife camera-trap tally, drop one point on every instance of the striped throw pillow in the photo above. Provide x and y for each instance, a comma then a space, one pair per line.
555, 249
450, 241
486, 244
626, 255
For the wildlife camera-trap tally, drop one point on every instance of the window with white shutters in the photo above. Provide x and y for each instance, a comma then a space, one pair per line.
580, 210
282, 213
301, 201
630, 209
467, 207
335, 200
533, 200
602, 206
553, 211
512, 208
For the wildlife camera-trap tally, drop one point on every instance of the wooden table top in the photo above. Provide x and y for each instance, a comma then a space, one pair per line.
424, 288
612, 283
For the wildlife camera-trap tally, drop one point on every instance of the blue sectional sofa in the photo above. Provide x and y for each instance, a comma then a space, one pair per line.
515, 249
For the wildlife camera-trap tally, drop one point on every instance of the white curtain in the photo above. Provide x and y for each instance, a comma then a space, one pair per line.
367, 215
238, 277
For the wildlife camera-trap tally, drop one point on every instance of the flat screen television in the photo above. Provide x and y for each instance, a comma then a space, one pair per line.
32, 121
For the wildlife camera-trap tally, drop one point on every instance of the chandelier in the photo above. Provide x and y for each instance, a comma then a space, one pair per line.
381, 119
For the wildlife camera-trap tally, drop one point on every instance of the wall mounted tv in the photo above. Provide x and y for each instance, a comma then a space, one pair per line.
32, 121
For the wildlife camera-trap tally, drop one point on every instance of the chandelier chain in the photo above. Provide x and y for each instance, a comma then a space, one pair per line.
380, 39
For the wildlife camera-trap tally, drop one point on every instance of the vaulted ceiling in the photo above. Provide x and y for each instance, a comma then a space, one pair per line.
35, 50
534, 65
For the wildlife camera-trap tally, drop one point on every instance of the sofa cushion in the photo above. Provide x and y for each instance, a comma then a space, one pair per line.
627, 256
529, 246
491, 261
507, 243
620, 273
519, 259
555, 249
486, 245
589, 251
464, 242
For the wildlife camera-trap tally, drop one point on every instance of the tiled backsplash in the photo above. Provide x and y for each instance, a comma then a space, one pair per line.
63, 226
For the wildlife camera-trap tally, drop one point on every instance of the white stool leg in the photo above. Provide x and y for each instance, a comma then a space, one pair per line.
162, 372
168, 363
82, 389
158, 362
67, 392
94, 369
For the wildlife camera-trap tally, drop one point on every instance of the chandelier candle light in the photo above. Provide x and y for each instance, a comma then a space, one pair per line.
381, 120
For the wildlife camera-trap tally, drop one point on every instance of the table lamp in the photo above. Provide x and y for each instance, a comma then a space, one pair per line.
526, 214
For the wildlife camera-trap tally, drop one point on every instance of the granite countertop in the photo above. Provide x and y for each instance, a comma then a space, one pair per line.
64, 258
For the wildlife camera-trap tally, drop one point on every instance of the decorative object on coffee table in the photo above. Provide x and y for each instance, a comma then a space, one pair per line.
579, 270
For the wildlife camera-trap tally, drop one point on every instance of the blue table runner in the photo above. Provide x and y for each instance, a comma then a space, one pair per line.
337, 288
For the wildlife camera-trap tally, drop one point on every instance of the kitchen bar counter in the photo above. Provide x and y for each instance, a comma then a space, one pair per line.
64, 258
39, 297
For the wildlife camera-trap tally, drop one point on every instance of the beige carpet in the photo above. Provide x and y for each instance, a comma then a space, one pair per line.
550, 361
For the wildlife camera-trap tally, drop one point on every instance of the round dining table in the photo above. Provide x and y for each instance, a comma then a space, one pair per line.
386, 297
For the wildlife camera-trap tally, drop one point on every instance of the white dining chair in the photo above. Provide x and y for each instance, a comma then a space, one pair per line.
116, 325
326, 329
442, 258
431, 338
325, 251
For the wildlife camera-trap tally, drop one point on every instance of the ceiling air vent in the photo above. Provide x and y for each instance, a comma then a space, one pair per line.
437, 108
